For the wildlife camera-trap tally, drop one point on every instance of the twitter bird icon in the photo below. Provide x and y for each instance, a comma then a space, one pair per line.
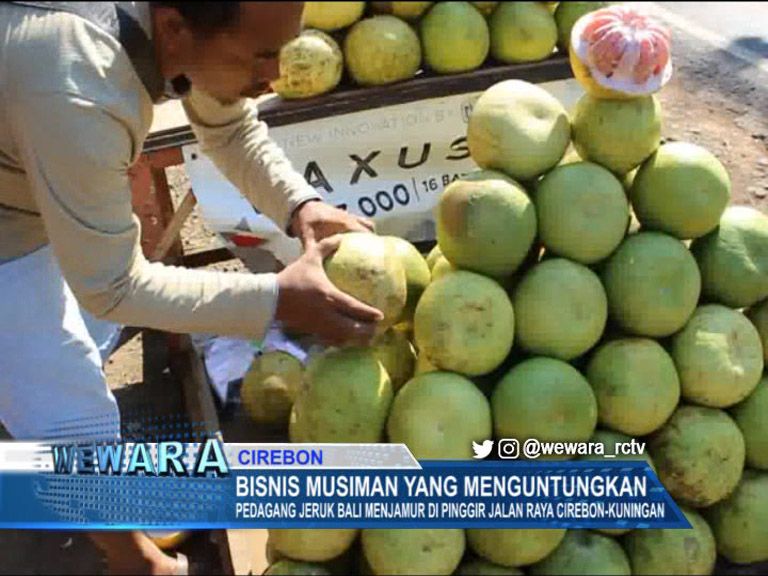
482, 450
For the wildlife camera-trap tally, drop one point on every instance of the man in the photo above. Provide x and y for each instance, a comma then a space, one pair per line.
76, 101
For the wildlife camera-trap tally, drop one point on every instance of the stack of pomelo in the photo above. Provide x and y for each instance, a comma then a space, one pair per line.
381, 43
542, 314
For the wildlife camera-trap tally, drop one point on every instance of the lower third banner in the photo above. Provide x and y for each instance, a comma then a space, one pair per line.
324, 486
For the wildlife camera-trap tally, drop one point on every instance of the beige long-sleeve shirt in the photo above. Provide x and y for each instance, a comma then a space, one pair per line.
73, 118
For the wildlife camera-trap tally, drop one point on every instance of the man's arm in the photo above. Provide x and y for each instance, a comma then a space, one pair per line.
76, 157
240, 147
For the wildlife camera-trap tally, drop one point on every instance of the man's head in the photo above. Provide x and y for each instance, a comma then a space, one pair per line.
228, 49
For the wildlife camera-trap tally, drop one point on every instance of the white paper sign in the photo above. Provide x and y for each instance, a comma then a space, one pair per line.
389, 164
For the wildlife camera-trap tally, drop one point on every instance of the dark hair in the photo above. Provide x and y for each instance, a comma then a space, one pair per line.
206, 17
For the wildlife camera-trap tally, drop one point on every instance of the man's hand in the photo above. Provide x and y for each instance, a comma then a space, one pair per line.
309, 303
316, 220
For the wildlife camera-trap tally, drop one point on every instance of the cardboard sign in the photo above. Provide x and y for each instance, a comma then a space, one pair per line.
389, 164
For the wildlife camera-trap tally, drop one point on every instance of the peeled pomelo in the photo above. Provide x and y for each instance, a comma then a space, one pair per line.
310, 65
485, 223
682, 189
330, 16
619, 52
381, 50
518, 128
454, 37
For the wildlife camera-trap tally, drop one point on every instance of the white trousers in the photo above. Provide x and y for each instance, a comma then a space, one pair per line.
52, 383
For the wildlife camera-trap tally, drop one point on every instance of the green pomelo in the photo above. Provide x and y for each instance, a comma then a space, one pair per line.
566, 15
583, 553
366, 267
433, 256
312, 545
617, 134
734, 258
719, 357
545, 399
551, 321
330, 16
682, 190
397, 355
758, 315
522, 32
673, 551
310, 65
518, 128
652, 283
423, 365
454, 37
740, 522
699, 455
438, 415
464, 323
414, 551
270, 387
417, 275
636, 385
346, 399
514, 547
752, 418
480, 567
381, 50
582, 212
406, 10
485, 223
291, 568
485, 8
442, 267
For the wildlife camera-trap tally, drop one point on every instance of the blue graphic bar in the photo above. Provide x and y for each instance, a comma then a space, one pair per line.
440, 494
